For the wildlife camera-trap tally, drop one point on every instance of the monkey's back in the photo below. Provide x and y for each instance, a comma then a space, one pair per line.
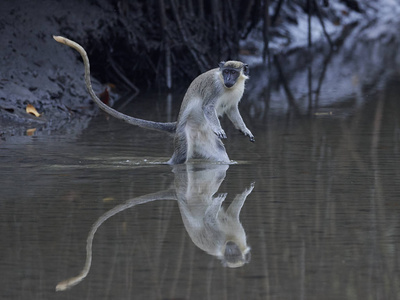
204, 88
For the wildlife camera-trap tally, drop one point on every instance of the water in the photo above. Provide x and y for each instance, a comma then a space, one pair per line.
322, 221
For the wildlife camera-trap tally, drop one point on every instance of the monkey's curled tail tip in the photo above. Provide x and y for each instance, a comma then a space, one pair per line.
64, 40
62, 286
70, 43
59, 38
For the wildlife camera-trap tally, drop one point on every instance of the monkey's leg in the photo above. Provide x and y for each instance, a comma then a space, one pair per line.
180, 155
211, 213
210, 147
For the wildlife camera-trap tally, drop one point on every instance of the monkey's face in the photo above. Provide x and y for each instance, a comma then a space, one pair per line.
230, 76
235, 257
231, 71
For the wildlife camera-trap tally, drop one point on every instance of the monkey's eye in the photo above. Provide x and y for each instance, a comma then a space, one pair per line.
229, 72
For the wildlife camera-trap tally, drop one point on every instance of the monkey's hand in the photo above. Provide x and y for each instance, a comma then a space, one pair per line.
220, 133
252, 139
212, 118
249, 189
219, 198
248, 133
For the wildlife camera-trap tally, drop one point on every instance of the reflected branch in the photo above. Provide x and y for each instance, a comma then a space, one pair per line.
322, 77
290, 97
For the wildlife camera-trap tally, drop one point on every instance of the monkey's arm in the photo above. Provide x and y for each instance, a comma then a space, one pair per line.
237, 203
211, 115
159, 126
235, 117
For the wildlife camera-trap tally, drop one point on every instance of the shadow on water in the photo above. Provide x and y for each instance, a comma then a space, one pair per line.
211, 228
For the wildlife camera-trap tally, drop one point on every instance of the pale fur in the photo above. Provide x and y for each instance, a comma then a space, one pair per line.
212, 228
198, 130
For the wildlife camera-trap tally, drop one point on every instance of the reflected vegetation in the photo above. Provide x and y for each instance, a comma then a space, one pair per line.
213, 229
320, 79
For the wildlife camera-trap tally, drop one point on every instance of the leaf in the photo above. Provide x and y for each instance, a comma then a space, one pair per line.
108, 199
105, 96
30, 131
30, 109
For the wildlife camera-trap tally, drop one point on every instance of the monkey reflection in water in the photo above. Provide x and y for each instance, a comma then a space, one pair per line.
211, 228
197, 133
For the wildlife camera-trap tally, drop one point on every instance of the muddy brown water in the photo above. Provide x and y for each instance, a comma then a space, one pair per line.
322, 221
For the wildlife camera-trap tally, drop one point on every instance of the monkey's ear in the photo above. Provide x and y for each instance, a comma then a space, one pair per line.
246, 69
221, 64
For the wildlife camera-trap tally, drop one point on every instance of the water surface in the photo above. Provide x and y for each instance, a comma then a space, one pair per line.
322, 221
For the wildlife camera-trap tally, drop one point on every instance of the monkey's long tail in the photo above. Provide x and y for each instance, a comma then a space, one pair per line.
70, 282
168, 127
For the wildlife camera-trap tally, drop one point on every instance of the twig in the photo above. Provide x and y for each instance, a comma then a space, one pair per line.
266, 30
323, 24
188, 42
122, 75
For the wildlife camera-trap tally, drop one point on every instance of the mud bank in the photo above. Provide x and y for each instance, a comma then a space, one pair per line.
36, 70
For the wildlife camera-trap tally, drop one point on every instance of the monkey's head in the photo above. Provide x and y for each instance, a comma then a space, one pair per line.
234, 256
232, 71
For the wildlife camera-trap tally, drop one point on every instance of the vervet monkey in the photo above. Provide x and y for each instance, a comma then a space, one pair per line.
197, 132
211, 228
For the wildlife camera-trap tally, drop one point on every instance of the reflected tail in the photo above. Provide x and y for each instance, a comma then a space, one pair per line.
70, 282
